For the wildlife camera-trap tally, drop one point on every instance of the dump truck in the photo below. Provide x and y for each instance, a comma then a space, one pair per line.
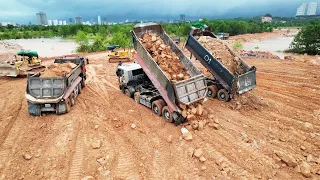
147, 83
56, 94
29, 63
223, 84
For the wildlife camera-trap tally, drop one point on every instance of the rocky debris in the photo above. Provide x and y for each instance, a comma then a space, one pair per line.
308, 125
303, 148
88, 178
58, 69
290, 161
96, 127
203, 168
247, 101
309, 158
197, 152
169, 139
27, 156
289, 58
190, 151
305, 169
102, 161
95, 144
202, 159
167, 60
133, 126
221, 52
257, 55
187, 136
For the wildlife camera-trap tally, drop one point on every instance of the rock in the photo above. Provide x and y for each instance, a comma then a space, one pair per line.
302, 148
200, 126
133, 126
187, 136
102, 161
189, 127
210, 116
198, 152
131, 111
305, 169
184, 130
191, 117
184, 114
308, 125
88, 178
193, 110
27, 156
215, 126
190, 151
205, 113
199, 109
169, 139
203, 168
182, 106
95, 144
96, 126
154, 38
216, 121
202, 159
290, 161
180, 76
309, 158
210, 124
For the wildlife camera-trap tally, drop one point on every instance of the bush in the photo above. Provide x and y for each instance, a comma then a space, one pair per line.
238, 45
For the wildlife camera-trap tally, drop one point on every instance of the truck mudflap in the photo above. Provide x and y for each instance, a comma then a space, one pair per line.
178, 118
247, 81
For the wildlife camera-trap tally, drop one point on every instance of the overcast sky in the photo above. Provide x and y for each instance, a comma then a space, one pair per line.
23, 11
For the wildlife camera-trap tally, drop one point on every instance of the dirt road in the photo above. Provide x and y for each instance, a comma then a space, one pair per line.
96, 138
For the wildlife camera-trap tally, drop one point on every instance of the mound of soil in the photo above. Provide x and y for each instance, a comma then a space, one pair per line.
247, 101
58, 69
164, 57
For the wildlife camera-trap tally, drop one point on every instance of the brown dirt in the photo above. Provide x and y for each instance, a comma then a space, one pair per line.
242, 146
220, 51
167, 60
57, 70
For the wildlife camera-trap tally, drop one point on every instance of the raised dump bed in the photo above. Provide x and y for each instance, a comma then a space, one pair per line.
226, 81
189, 89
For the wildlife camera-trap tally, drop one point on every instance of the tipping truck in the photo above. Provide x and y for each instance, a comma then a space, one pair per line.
56, 94
224, 84
148, 85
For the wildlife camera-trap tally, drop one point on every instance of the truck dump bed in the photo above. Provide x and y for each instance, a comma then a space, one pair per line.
53, 87
232, 82
186, 91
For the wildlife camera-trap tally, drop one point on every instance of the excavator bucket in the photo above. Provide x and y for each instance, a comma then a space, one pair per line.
8, 70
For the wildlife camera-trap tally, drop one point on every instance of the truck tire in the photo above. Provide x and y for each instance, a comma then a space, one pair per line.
167, 115
68, 105
136, 96
223, 95
34, 109
129, 92
79, 88
212, 91
72, 99
83, 83
157, 107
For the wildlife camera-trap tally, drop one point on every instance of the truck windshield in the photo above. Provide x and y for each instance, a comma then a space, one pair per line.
137, 72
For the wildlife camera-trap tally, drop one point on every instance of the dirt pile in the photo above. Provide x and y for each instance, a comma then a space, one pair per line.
164, 57
58, 69
247, 101
8, 50
258, 55
220, 51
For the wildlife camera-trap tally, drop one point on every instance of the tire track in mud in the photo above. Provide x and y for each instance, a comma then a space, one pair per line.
77, 159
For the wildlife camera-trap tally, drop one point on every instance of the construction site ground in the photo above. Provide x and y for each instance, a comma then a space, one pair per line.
109, 136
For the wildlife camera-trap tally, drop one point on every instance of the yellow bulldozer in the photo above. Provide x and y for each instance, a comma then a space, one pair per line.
116, 56
25, 62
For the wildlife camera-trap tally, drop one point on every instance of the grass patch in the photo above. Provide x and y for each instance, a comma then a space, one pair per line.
237, 45
257, 47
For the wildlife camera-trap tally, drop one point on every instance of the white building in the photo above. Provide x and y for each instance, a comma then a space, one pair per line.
49, 22
64, 22
60, 23
312, 9
99, 20
55, 22
266, 19
301, 10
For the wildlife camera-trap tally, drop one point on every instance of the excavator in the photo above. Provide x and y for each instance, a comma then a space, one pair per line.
116, 56
24, 62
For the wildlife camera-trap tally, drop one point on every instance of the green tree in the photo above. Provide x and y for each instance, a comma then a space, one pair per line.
83, 42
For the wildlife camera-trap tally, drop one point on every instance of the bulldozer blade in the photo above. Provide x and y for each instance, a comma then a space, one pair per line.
8, 70
116, 60
23, 71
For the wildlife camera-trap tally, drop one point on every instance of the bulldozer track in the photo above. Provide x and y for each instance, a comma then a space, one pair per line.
77, 159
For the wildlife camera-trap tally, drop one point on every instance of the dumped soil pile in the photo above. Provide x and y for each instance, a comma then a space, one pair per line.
220, 51
258, 55
164, 57
247, 101
58, 69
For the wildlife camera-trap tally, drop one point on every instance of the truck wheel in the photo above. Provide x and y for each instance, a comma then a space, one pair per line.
72, 99
167, 114
136, 96
34, 109
212, 91
223, 95
79, 88
157, 107
61, 108
128, 93
83, 83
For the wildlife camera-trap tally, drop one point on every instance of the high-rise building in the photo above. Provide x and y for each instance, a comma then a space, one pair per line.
70, 21
49, 22
60, 23
301, 10
99, 20
55, 22
42, 18
64, 22
78, 20
182, 18
312, 9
